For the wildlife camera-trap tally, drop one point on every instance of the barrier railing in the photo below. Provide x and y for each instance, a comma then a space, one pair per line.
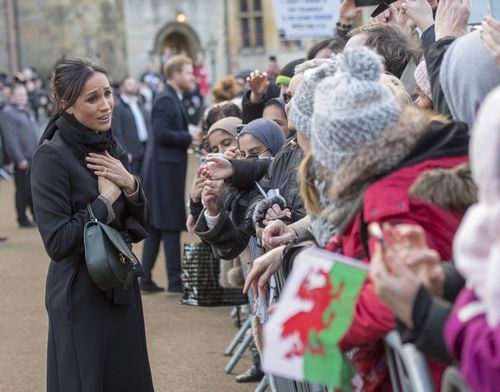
407, 366
453, 381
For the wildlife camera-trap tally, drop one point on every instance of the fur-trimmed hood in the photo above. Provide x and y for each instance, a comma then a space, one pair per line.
451, 189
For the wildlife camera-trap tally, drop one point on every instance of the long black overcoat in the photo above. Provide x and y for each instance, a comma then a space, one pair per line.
164, 171
96, 338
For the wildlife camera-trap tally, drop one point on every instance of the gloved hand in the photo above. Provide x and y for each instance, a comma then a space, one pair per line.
271, 209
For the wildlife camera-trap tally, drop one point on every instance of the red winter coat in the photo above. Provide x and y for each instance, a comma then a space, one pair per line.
388, 200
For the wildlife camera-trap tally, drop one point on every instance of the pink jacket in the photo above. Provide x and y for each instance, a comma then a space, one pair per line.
473, 344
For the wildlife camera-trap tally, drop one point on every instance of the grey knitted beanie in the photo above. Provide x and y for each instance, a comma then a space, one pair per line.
301, 107
350, 108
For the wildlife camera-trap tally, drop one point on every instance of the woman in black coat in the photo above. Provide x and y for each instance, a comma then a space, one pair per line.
96, 338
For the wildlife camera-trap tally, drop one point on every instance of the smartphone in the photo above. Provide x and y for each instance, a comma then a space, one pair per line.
366, 3
382, 5
215, 155
203, 161
481, 8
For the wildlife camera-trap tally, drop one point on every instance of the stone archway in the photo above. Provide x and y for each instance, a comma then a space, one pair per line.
179, 36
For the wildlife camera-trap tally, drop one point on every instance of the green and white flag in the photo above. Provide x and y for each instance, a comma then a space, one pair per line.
314, 312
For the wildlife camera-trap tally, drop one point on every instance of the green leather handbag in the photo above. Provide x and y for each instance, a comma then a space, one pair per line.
110, 261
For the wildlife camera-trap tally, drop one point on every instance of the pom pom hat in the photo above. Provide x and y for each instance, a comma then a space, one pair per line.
302, 105
350, 108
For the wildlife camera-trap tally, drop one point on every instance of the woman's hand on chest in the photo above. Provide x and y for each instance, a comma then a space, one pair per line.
108, 189
107, 167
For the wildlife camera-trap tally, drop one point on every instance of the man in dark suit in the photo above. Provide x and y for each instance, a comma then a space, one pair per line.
131, 123
164, 173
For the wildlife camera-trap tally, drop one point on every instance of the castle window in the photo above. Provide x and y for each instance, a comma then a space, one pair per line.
252, 23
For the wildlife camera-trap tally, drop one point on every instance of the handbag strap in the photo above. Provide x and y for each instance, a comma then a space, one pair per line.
91, 213
130, 278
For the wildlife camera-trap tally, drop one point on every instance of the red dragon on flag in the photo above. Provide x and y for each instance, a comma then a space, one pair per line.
307, 323
314, 312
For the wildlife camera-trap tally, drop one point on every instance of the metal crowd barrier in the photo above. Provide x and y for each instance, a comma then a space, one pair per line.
244, 336
407, 366
453, 381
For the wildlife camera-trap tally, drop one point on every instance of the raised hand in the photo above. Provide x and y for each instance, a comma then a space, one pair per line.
210, 195
232, 152
452, 18
419, 11
390, 15
197, 186
218, 169
409, 245
349, 12
259, 84
395, 284
491, 38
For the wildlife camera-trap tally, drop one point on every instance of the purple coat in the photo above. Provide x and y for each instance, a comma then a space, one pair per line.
474, 344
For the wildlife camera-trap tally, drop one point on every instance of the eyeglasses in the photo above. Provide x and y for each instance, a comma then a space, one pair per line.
287, 96
255, 156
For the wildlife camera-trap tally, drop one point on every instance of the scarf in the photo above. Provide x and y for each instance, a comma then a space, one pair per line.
321, 228
83, 140
476, 248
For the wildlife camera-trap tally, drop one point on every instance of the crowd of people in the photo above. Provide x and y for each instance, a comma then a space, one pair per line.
393, 124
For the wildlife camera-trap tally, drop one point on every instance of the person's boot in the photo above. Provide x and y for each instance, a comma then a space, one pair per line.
149, 286
253, 373
26, 224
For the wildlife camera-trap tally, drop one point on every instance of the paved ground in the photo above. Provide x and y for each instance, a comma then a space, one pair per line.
185, 343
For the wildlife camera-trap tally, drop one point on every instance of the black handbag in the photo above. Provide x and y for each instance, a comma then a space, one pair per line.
110, 261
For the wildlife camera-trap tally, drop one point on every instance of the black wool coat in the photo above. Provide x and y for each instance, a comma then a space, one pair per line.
96, 340
164, 169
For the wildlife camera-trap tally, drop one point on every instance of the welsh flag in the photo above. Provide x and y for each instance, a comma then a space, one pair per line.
314, 312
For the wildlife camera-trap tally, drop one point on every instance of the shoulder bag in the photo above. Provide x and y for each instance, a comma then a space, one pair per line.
110, 261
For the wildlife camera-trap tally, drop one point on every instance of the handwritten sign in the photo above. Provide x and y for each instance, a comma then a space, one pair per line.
306, 19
